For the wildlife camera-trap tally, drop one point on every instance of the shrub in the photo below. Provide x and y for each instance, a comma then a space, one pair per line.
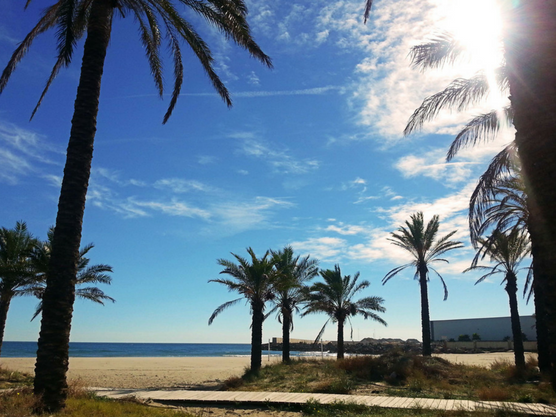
476, 336
464, 338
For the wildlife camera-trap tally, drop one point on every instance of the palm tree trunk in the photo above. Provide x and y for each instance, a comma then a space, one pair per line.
5, 300
530, 45
425, 317
540, 324
286, 325
340, 340
519, 353
52, 354
257, 335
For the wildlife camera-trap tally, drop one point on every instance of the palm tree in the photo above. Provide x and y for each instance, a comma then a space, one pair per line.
422, 243
530, 53
507, 251
72, 19
499, 204
292, 274
334, 297
16, 273
253, 280
86, 275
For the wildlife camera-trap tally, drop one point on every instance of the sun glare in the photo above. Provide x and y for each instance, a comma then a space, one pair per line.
477, 24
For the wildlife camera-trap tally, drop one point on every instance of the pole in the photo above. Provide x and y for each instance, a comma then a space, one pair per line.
269, 350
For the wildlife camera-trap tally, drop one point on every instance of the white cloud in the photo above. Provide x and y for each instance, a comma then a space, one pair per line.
179, 185
281, 161
173, 208
371, 243
253, 79
206, 159
23, 152
324, 248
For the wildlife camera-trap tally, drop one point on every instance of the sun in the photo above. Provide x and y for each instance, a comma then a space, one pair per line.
477, 25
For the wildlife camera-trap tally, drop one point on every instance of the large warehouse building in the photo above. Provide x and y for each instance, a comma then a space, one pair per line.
492, 329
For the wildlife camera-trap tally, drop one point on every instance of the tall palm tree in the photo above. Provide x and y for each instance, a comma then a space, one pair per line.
425, 248
86, 274
253, 280
507, 251
530, 54
16, 272
72, 19
292, 275
334, 297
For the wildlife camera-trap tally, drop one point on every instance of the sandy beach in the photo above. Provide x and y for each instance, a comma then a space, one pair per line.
185, 372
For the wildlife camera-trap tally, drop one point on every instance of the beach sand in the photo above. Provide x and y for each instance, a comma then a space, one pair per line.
185, 373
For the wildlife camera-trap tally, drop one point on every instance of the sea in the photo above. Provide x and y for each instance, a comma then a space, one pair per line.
141, 350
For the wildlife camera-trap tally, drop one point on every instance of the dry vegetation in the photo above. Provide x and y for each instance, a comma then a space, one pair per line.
401, 374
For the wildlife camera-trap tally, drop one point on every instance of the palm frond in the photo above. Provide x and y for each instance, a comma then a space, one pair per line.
482, 128
394, 272
223, 307
47, 21
178, 74
150, 38
459, 95
93, 294
442, 49
368, 5
67, 38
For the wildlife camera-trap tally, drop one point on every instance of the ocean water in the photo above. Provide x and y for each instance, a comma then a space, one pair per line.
84, 350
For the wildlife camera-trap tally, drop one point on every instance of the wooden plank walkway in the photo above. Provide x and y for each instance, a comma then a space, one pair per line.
277, 398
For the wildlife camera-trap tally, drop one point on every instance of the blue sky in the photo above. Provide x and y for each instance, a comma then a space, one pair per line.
311, 154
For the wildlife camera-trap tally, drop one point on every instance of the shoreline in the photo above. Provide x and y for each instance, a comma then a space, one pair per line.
189, 372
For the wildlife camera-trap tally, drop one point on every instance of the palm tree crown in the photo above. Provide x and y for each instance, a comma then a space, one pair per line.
86, 274
422, 243
292, 274
335, 298
253, 280
16, 272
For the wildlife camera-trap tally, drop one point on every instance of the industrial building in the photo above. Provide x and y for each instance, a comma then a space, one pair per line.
492, 328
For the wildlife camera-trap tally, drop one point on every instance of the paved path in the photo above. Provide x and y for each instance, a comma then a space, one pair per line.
277, 398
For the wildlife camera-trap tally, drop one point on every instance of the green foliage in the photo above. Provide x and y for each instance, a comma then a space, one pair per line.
464, 338
402, 374
475, 336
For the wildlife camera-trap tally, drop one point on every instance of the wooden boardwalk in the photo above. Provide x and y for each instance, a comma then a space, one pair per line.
286, 398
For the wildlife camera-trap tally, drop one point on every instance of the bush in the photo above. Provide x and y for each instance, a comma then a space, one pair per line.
464, 338
476, 336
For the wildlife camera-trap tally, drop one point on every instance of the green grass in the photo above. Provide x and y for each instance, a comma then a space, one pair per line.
400, 374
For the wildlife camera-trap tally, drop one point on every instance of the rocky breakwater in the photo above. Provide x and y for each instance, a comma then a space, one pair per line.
367, 346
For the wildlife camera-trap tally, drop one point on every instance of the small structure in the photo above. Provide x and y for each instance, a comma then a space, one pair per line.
491, 328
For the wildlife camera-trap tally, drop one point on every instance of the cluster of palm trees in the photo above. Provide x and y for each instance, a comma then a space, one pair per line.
159, 22
24, 265
500, 219
282, 279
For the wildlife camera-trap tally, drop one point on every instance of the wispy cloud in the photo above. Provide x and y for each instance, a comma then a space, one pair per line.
370, 243
179, 185
23, 152
279, 160
254, 94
